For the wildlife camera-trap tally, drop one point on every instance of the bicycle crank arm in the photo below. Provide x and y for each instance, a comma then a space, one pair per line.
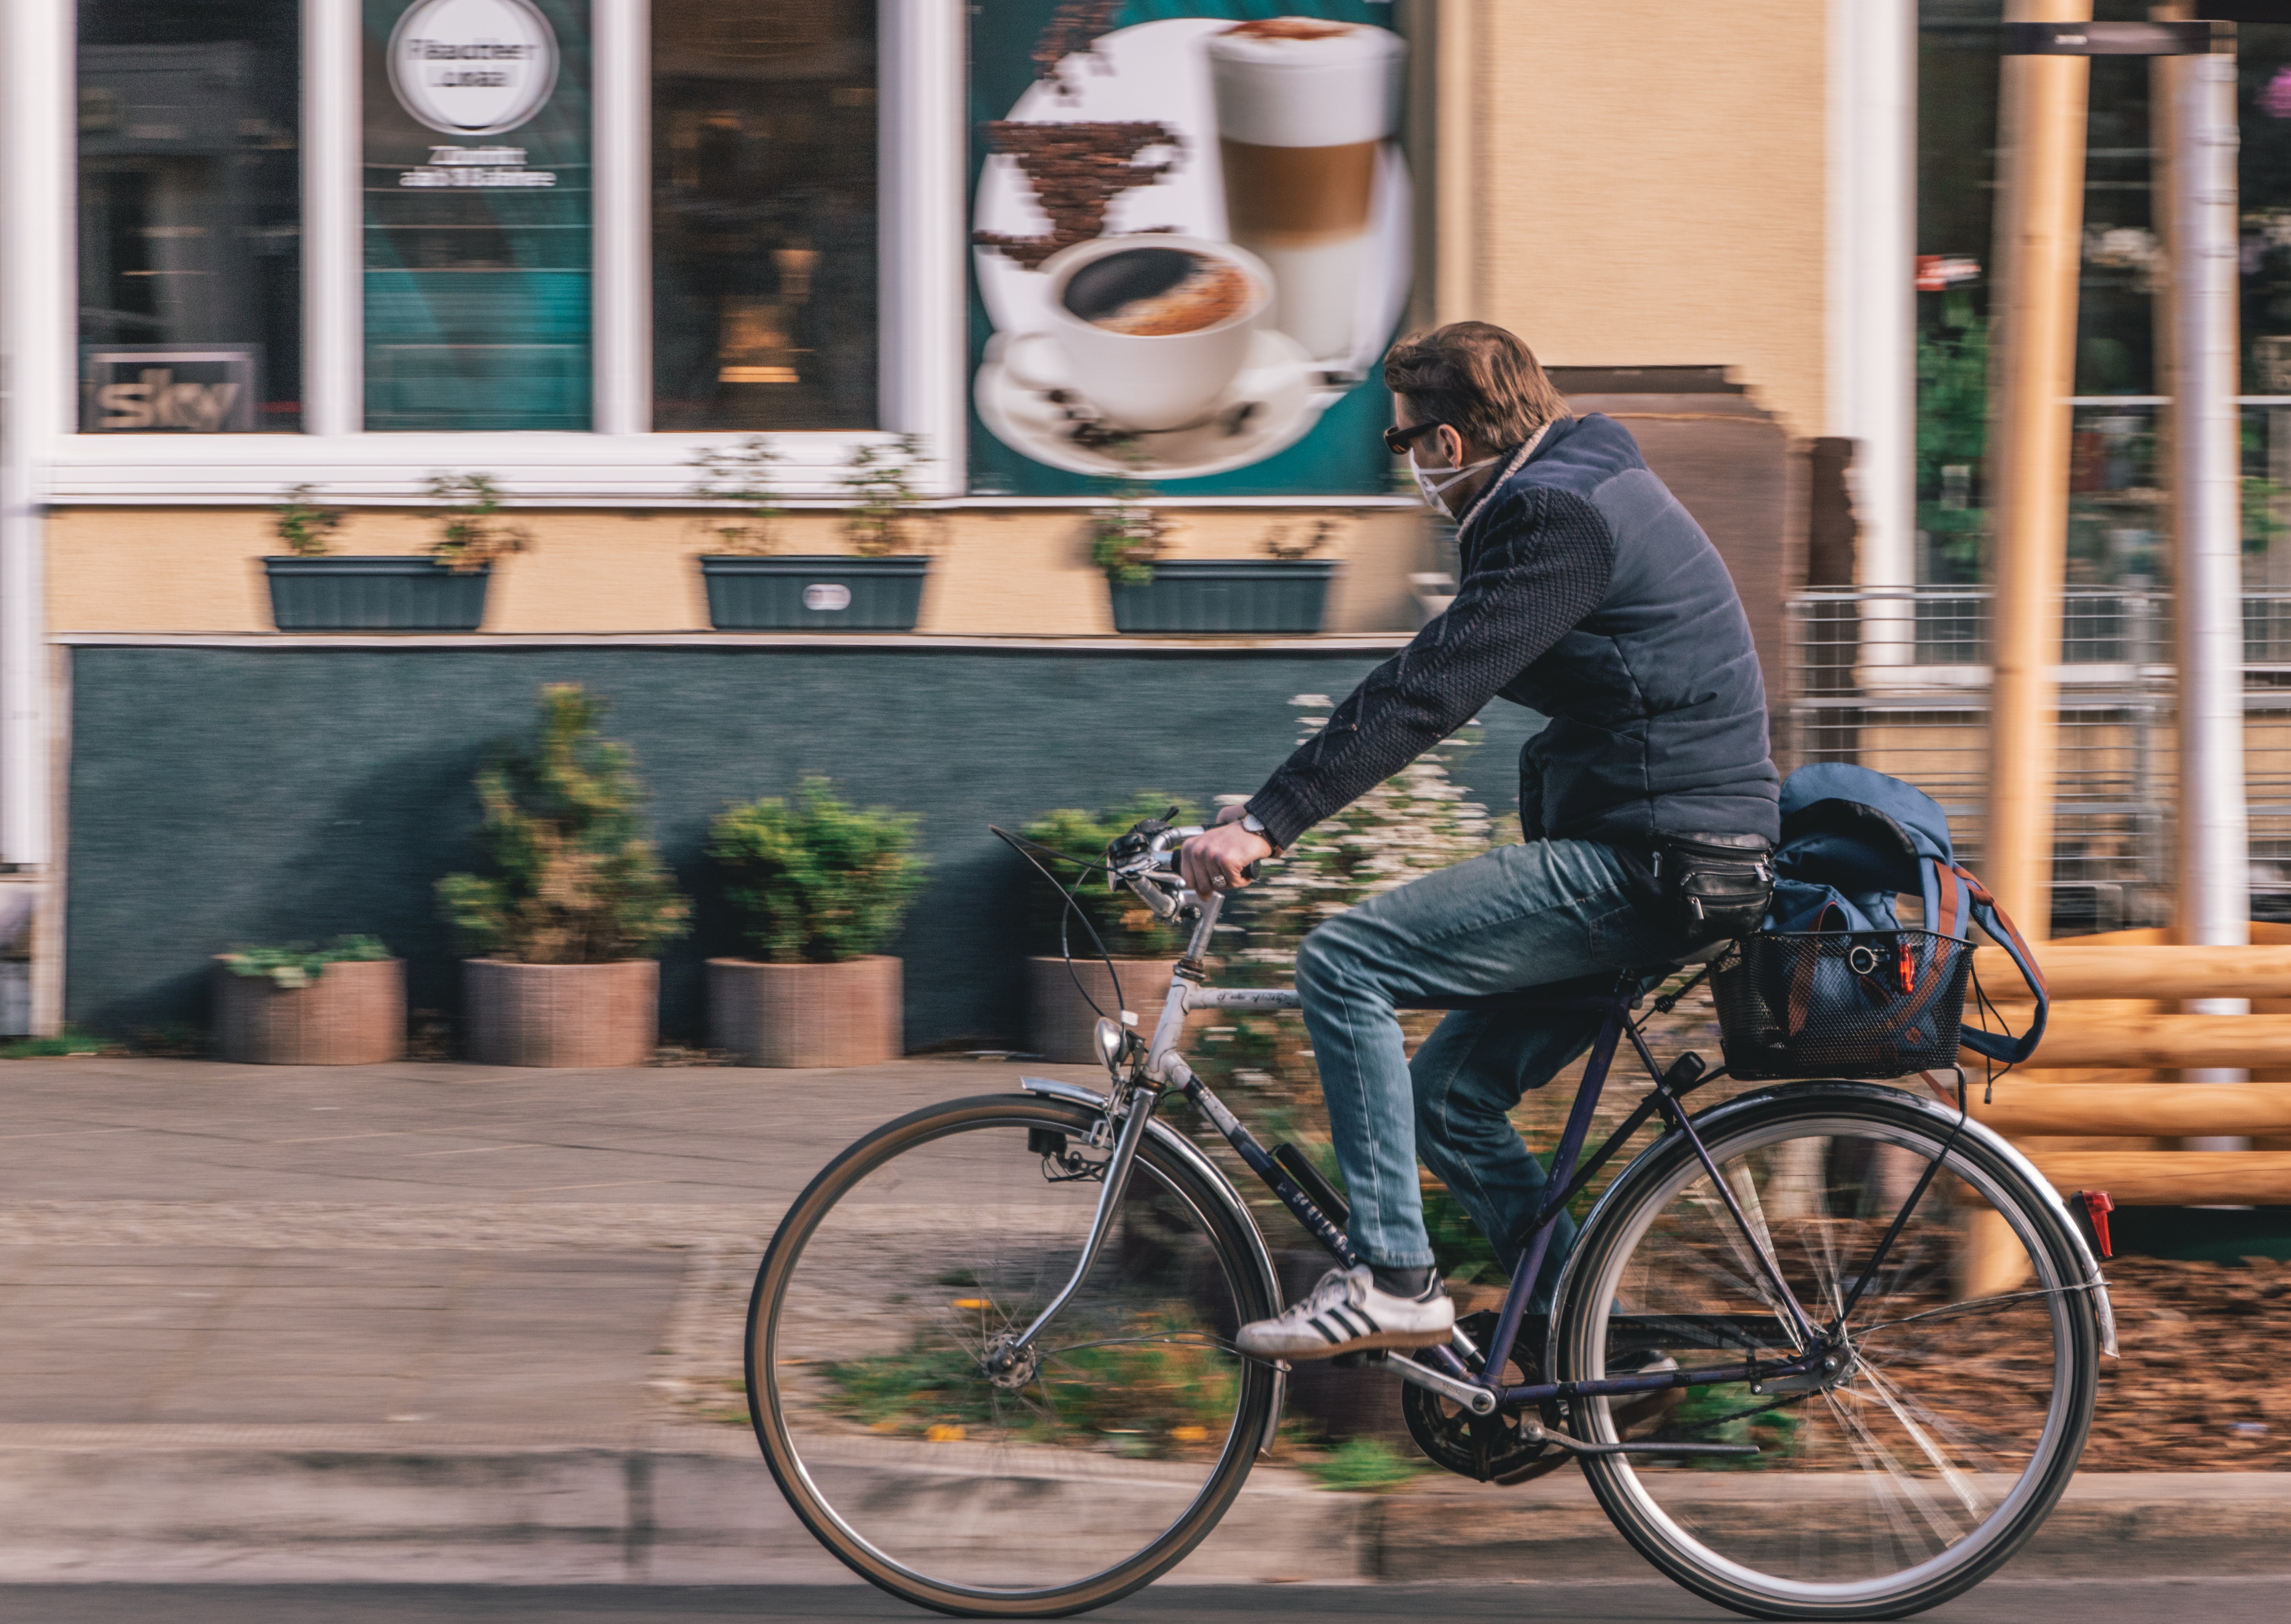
1471, 1394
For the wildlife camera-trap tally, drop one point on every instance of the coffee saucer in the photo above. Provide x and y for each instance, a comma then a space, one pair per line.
1275, 398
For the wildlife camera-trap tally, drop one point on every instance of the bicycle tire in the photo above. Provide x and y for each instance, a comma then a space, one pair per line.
1162, 1172
1930, 1441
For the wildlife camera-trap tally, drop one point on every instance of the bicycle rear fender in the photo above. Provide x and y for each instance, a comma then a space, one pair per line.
1185, 1150
1943, 1118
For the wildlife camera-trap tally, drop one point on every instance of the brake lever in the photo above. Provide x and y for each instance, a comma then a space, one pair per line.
1155, 896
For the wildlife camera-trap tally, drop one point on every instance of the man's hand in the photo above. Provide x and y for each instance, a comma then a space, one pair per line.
1212, 862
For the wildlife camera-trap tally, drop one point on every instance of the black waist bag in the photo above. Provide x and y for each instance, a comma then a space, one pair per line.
1715, 887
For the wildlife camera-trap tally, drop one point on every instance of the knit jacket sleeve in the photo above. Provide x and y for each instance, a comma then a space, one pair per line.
1542, 561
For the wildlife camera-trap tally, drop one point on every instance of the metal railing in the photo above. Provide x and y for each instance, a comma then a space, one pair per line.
1897, 679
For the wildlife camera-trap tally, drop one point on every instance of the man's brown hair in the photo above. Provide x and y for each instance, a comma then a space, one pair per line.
1477, 378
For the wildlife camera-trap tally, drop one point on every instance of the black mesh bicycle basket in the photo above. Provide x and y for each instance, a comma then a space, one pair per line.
1840, 1004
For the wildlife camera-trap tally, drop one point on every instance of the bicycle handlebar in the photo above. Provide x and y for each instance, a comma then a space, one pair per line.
1146, 868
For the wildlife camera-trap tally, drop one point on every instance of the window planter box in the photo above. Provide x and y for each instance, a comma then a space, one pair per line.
374, 593
1227, 595
817, 592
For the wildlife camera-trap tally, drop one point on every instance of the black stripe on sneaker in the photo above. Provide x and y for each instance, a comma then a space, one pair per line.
1367, 1319
1344, 1316
1327, 1335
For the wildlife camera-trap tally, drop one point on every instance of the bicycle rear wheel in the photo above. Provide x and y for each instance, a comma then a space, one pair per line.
1948, 1428
1086, 1476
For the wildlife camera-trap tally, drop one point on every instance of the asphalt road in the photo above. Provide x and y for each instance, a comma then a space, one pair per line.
2222, 1601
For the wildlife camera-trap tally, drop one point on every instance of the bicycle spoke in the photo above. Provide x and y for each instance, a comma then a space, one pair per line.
1959, 1483
1898, 1526
1871, 1451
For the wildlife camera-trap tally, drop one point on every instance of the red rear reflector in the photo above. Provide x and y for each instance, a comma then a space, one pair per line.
2097, 1206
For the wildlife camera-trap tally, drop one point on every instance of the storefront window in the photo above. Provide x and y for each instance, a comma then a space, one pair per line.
477, 215
764, 153
190, 216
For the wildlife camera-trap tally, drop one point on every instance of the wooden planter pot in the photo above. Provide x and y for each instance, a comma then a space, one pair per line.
1227, 595
1063, 1026
561, 1015
794, 1015
374, 593
814, 592
354, 1014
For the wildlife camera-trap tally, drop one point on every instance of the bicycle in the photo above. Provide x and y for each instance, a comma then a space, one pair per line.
990, 1357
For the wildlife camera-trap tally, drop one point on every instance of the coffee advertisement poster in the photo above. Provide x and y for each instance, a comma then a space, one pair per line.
1190, 244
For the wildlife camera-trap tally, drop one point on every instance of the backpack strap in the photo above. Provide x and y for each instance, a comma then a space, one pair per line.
1801, 991
1993, 919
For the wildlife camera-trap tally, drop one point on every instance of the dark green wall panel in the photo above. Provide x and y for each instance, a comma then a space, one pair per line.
223, 795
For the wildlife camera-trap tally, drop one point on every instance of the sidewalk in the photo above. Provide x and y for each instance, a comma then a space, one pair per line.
474, 1323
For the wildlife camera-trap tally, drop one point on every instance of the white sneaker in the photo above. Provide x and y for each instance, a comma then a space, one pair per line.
1346, 1313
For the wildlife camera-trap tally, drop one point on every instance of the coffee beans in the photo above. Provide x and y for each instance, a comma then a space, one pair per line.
1075, 171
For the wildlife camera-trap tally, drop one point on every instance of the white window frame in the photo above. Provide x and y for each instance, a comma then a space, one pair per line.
619, 463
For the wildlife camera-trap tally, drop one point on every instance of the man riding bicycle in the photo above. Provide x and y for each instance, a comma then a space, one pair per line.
1589, 596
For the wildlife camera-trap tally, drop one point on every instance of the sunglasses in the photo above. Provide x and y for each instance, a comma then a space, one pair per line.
1398, 440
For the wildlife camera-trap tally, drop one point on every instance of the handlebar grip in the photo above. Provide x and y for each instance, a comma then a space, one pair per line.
1168, 859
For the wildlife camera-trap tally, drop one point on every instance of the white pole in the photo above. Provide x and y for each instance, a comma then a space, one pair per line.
621, 150
333, 220
38, 324
1871, 330
925, 230
2213, 869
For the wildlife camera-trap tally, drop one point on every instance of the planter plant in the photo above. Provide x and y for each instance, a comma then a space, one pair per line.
312, 589
817, 885
563, 935
877, 587
1061, 1022
341, 1005
1285, 590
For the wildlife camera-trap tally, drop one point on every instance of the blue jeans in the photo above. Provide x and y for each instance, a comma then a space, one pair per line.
1523, 915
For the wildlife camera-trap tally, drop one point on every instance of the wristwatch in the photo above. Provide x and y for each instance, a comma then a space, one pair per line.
1254, 825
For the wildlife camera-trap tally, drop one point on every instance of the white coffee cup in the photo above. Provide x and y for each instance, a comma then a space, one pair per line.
1304, 106
1145, 382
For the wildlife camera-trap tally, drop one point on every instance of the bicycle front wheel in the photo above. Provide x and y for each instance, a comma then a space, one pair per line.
1949, 1423
1062, 1484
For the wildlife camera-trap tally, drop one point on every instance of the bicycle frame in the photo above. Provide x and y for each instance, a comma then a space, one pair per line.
1161, 1069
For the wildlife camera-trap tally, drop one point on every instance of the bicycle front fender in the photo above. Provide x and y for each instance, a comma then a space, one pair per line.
1260, 1255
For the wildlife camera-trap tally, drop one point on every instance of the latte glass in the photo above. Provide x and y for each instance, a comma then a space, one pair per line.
1303, 108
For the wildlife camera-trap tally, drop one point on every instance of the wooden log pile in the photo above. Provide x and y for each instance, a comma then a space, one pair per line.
2102, 1104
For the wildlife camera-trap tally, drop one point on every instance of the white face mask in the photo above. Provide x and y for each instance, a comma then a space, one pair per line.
1434, 482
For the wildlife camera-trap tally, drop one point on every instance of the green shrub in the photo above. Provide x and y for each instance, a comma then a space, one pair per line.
886, 516
576, 882
306, 529
1126, 925
742, 482
1126, 537
299, 963
818, 881
471, 533
1363, 1465
62, 1046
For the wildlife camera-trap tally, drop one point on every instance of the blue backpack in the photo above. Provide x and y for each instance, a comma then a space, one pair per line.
1853, 838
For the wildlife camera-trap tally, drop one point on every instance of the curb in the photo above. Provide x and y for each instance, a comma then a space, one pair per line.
702, 1509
